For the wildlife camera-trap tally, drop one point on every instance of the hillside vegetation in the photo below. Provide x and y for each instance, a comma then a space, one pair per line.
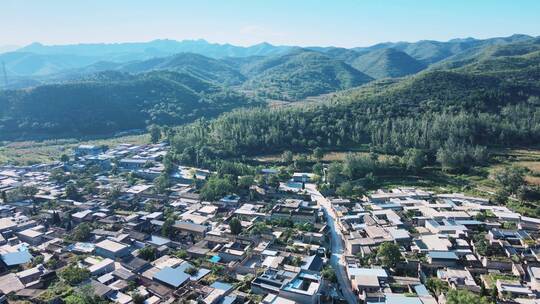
302, 74
110, 102
127, 91
451, 115
387, 63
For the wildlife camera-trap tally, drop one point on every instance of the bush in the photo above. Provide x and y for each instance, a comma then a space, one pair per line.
74, 274
191, 270
148, 253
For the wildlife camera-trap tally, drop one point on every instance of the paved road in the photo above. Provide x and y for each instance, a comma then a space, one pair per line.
337, 261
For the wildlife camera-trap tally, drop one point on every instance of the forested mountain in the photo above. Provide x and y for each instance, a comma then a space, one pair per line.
26, 63
484, 76
300, 74
387, 63
492, 51
110, 102
451, 115
429, 51
155, 48
198, 65
37, 59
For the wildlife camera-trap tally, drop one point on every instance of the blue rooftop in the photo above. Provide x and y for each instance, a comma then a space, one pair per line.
159, 241
221, 286
16, 258
446, 255
401, 299
468, 222
201, 272
172, 276
215, 259
421, 290
228, 300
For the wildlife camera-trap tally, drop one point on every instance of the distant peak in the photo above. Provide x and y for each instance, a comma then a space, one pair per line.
264, 43
467, 39
35, 44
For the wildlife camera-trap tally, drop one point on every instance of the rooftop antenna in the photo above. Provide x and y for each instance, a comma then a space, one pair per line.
5, 75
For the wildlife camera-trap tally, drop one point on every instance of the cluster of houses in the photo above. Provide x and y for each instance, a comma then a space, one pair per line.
195, 257
464, 242
272, 246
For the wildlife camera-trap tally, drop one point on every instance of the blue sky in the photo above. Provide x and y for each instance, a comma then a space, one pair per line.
346, 23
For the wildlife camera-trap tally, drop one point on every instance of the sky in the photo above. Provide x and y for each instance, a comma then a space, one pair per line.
344, 23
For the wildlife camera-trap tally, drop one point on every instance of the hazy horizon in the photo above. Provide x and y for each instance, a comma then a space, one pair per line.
302, 23
8, 48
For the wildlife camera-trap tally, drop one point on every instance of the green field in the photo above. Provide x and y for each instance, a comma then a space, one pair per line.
475, 182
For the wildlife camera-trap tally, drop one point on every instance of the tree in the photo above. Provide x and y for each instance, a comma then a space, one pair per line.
72, 192
51, 263
235, 225
318, 153
22, 192
155, 133
246, 181
296, 261
81, 233
436, 286
58, 175
84, 295
148, 253
463, 296
388, 254
74, 275
64, 158
501, 196
56, 219
529, 193
511, 178
318, 168
191, 270
287, 157
459, 157
137, 298
345, 189
215, 188
329, 274
273, 181
114, 192
168, 163
494, 294
182, 254
333, 174
4, 197
167, 229
162, 183
414, 160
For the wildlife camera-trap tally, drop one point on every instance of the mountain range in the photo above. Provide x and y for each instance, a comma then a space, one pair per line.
174, 82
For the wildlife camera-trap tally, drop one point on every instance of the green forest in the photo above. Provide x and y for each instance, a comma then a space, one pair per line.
451, 115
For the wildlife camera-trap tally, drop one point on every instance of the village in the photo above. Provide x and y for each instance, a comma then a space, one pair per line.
123, 237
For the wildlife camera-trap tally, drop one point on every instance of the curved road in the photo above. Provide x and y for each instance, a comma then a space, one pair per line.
336, 260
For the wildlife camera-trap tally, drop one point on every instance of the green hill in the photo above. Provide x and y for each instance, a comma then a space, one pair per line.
429, 51
203, 67
110, 102
387, 63
489, 52
301, 74
443, 112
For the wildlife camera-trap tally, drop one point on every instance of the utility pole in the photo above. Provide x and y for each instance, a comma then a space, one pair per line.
5, 75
